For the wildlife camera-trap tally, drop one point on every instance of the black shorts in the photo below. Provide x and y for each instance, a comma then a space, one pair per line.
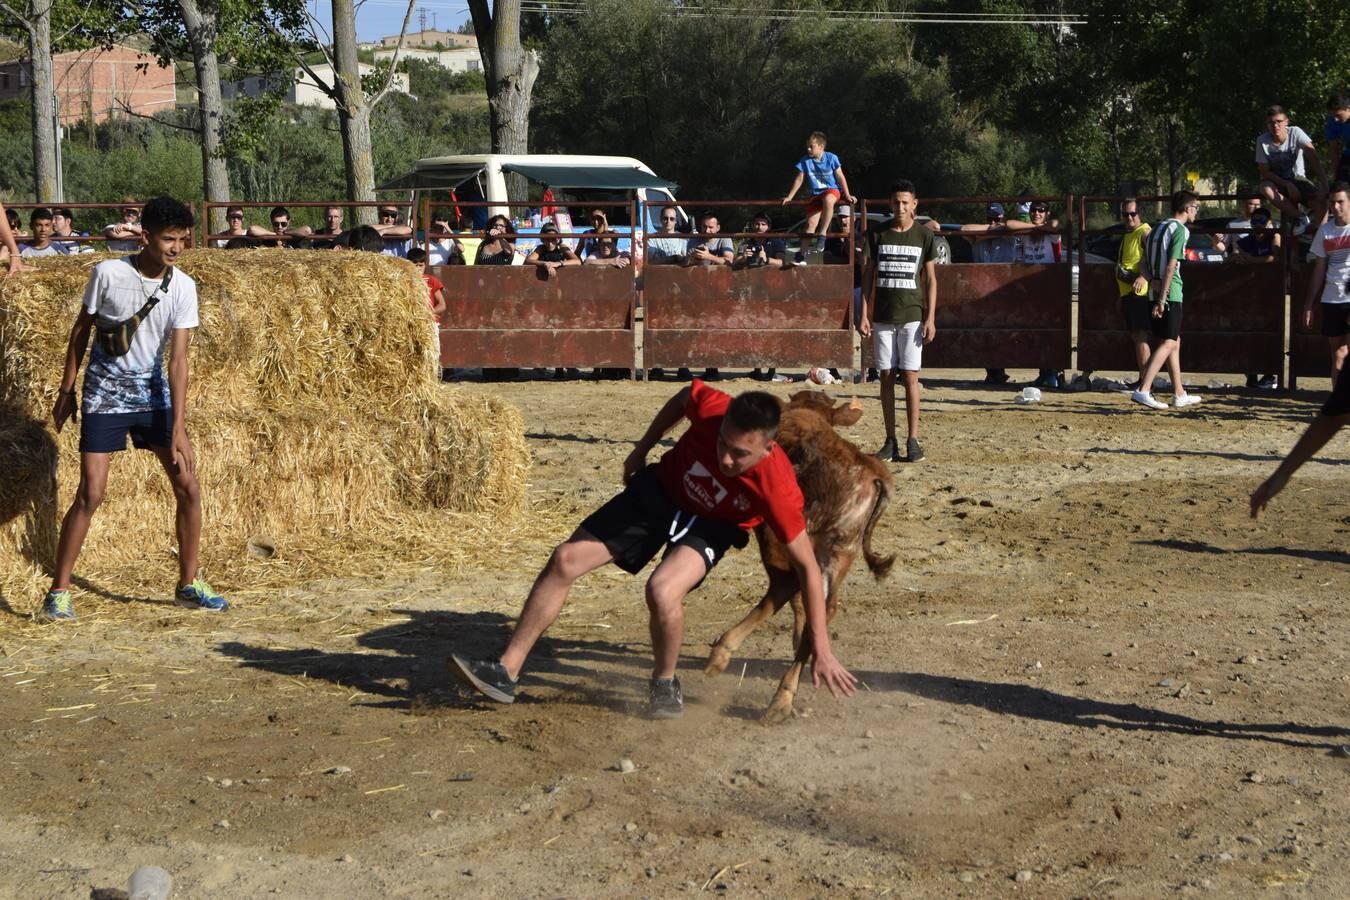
1138, 312
1169, 326
1335, 319
1343, 170
1338, 404
107, 432
642, 519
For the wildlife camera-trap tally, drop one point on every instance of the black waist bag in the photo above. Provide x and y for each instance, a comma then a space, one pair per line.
114, 338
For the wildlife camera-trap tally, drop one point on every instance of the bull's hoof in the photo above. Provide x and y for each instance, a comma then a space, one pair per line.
779, 711
718, 660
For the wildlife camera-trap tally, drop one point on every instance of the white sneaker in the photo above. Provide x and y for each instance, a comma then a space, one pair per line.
1301, 228
1148, 400
1185, 400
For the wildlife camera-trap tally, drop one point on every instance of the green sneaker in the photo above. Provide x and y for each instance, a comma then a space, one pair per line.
199, 595
57, 607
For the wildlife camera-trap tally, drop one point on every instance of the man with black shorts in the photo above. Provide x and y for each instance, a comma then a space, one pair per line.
724, 477
1334, 415
1164, 248
1330, 255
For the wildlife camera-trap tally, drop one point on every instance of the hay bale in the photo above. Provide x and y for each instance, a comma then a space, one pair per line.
316, 412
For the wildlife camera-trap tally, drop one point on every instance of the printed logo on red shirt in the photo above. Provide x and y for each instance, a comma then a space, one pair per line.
700, 485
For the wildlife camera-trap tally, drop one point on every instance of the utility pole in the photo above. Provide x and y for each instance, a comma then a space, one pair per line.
422, 18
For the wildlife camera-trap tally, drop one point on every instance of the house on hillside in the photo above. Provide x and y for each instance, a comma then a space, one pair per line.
303, 90
433, 39
97, 84
455, 59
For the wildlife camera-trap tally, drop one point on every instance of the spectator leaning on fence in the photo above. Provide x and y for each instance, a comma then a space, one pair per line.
326, 237
1227, 243
497, 248
551, 254
125, 236
40, 244
234, 228
1284, 154
900, 316
63, 226
283, 233
667, 250
9, 248
1164, 249
1133, 286
760, 251
390, 226
443, 248
602, 251
1338, 135
706, 249
1330, 254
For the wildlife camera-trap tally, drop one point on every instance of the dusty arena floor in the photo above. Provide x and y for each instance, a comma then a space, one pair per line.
1091, 675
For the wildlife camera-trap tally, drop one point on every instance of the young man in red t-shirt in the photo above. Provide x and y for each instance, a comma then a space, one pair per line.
722, 478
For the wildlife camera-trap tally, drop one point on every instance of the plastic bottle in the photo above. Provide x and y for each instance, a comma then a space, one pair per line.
149, 883
1029, 395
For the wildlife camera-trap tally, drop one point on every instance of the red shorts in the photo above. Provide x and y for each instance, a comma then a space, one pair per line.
818, 201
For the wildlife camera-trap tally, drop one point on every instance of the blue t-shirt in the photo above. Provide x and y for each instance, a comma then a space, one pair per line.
1339, 131
819, 172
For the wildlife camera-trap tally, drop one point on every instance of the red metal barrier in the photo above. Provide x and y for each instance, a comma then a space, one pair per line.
1005, 315
1234, 314
1233, 319
795, 316
516, 316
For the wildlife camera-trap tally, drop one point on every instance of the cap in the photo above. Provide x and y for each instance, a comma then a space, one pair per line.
995, 209
844, 210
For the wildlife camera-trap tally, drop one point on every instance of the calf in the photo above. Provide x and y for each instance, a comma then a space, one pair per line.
845, 491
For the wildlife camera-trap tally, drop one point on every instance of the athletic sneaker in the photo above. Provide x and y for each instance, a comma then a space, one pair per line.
1302, 226
664, 699
913, 450
199, 595
1148, 400
486, 676
889, 452
1181, 400
57, 607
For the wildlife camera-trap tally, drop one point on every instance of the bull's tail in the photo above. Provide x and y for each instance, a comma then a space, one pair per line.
880, 566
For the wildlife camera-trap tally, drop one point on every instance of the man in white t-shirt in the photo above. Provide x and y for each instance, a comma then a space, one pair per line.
1330, 277
1284, 155
126, 393
125, 236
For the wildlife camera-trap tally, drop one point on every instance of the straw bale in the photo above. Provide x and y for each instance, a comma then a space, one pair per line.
320, 427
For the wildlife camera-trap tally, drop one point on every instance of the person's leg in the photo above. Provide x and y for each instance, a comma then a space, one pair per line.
888, 402
1174, 370
188, 516
678, 574
1141, 348
1156, 361
579, 554
75, 526
1288, 210
827, 203
1340, 348
912, 389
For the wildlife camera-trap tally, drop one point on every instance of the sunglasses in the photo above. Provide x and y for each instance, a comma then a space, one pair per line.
280, 223
235, 216
667, 218
1132, 214
1040, 209
388, 214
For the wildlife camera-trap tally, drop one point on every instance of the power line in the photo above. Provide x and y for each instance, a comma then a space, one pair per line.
580, 7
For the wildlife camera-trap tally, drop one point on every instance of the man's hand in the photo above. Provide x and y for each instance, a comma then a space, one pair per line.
64, 408
15, 265
1140, 284
634, 463
1307, 316
929, 331
1158, 309
786, 200
825, 668
852, 200
183, 457
1267, 491
865, 326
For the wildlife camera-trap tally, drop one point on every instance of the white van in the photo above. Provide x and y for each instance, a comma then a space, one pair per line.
582, 179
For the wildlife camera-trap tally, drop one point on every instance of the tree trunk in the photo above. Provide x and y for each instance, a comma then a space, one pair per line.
510, 71
202, 23
46, 178
353, 111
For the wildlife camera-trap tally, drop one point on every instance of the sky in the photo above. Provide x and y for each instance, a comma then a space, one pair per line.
377, 18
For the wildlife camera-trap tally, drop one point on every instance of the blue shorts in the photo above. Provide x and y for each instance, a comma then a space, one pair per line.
107, 432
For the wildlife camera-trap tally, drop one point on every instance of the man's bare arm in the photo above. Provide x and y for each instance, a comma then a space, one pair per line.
667, 417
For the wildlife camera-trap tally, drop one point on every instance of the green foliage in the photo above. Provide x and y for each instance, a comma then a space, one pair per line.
427, 79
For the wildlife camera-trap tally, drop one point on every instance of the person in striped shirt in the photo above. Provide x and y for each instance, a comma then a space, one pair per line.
1164, 249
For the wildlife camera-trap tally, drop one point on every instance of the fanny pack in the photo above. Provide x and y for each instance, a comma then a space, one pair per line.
113, 337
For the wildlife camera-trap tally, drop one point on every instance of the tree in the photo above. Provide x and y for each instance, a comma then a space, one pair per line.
510, 71
35, 18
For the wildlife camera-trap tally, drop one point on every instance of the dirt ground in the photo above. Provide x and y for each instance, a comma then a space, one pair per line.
1090, 675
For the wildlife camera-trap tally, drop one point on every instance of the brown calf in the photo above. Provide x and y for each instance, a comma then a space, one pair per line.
846, 491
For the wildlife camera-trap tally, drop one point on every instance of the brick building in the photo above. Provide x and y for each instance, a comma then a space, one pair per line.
97, 84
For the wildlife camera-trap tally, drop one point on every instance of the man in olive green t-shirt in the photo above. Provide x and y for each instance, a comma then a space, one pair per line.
900, 283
